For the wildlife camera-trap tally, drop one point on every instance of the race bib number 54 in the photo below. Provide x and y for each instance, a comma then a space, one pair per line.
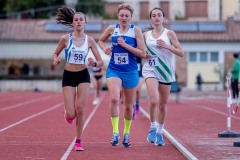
121, 58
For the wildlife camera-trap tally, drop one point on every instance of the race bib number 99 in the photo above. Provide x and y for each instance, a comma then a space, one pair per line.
121, 58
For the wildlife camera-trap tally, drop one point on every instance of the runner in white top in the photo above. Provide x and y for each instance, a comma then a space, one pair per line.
161, 63
159, 72
76, 79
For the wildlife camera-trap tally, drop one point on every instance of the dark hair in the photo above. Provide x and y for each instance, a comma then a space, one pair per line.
65, 16
235, 55
150, 15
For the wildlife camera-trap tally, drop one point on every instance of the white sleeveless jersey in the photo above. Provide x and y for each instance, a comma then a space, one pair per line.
74, 54
161, 64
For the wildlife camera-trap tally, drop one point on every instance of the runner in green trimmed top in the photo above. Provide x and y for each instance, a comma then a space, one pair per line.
159, 71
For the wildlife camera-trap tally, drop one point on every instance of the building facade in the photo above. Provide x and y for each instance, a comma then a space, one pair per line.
213, 10
207, 41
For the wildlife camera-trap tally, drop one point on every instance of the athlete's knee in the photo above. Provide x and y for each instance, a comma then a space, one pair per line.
80, 108
114, 100
153, 101
128, 109
163, 107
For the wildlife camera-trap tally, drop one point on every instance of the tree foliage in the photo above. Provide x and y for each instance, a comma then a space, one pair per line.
20, 5
92, 7
29, 8
46, 8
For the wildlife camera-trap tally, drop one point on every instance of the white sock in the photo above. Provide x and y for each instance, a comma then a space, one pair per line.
160, 128
153, 124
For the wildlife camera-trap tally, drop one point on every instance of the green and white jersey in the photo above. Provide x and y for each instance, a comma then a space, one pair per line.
161, 64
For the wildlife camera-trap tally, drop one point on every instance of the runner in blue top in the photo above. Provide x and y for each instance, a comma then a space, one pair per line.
122, 71
76, 79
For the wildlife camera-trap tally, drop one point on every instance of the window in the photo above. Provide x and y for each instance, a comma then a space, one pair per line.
196, 9
192, 57
203, 57
214, 56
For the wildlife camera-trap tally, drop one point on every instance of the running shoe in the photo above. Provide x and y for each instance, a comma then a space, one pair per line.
78, 147
151, 135
134, 113
137, 108
115, 139
69, 121
159, 140
95, 101
126, 142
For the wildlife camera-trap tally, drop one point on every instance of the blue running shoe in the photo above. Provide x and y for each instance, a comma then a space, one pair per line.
115, 139
152, 135
126, 142
159, 141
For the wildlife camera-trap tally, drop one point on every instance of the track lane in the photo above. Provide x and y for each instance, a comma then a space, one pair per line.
45, 136
97, 136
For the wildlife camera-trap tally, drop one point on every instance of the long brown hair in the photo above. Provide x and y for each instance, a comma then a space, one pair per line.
65, 16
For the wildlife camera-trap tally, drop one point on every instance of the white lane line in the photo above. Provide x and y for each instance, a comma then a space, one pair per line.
178, 145
24, 103
68, 151
211, 109
32, 116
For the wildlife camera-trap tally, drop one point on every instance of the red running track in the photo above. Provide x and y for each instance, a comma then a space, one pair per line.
32, 127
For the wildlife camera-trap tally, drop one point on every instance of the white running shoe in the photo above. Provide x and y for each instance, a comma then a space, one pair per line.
95, 101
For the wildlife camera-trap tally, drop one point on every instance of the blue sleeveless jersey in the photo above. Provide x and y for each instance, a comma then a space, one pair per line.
122, 60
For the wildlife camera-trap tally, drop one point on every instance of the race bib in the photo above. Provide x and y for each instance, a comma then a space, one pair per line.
77, 57
153, 61
121, 58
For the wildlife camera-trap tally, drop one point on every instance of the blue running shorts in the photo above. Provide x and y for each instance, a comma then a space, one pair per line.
129, 79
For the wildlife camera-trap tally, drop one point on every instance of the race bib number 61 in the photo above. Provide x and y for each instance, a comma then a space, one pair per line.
153, 61
121, 58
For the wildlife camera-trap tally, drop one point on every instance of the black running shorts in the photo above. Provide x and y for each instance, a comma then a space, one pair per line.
75, 78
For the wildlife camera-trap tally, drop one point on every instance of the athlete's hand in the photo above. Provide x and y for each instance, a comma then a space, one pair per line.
91, 61
162, 44
146, 55
121, 42
108, 50
56, 60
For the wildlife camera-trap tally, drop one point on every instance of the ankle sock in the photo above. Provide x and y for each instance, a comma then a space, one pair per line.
78, 141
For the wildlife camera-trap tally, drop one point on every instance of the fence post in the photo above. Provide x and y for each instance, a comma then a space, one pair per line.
229, 133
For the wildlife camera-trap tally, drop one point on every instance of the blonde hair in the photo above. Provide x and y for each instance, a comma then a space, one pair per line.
125, 6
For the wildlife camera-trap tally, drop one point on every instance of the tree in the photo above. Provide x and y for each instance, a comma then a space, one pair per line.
45, 8
91, 7
30, 8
